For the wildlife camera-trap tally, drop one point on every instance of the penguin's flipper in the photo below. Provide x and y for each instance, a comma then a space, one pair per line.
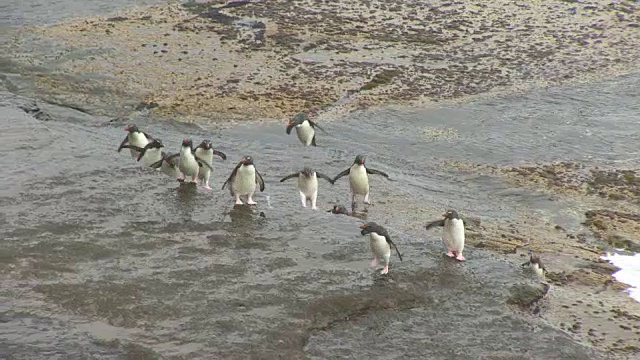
149, 137
323, 176
220, 153
525, 264
290, 176
394, 246
233, 175
259, 181
202, 162
157, 164
315, 125
434, 224
377, 172
313, 141
126, 139
344, 173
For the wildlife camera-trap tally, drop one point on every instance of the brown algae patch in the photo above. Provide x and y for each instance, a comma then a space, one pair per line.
271, 59
616, 228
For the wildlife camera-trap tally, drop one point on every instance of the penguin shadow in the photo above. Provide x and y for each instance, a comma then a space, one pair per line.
242, 215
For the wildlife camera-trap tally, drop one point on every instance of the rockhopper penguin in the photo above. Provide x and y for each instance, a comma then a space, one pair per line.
380, 243
359, 179
136, 138
304, 128
205, 151
453, 234
188, 163
308, 185
535, 264
243, 180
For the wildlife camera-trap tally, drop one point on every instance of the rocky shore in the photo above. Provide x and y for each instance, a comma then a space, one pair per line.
269, 59
266, 60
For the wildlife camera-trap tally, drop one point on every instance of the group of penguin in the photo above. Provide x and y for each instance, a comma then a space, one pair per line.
197, 164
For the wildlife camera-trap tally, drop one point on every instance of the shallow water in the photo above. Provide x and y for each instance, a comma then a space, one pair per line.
102, 258
629, 272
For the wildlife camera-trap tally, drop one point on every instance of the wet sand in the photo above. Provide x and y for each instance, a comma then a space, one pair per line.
524, 161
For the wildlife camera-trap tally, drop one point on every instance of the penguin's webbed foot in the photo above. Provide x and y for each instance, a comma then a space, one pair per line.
353, 206
207, 187
450, 253
374, 262
385, 270
460, 257
251, 202
238, 201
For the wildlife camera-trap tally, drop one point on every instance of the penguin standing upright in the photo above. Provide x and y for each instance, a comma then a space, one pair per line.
308, 185
453, 234
136, 138
535, 264
380, 243
189, 164
359, 179
205, 151
305, 128
243, 180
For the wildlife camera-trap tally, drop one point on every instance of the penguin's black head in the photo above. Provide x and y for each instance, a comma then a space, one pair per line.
187, 142
297, 119
369, 228
206, 144
451, 214
339, 209
155, 144
131, 128
307, 171
535, 259
359, 160
247, 160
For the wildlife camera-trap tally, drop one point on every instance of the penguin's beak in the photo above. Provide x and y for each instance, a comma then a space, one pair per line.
363, 226
289, 127
444, 214
126, 128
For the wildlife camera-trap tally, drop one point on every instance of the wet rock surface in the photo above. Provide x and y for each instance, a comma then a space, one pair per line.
270, 59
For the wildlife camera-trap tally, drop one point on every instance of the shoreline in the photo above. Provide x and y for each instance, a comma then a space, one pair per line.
77, 78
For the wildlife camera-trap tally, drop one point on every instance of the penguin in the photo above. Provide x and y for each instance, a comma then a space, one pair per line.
243, 180
157, 159
359, 179
308, 185
150, 154
453, 235
305, 128
535, 264
380, 243
188, 163
134, 137
205, 151
339, 209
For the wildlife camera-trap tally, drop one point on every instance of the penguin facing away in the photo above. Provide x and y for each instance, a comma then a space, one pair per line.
359, 179
380, 244
134, 137
308, 185
305, 128
243, 180
188, 163
453, 233
205, 152
535, 264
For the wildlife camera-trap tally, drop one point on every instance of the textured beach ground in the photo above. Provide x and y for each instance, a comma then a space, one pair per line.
269, 59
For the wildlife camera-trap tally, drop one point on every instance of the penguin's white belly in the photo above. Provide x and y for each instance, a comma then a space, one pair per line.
169, 170
244, 183
151, 156
305, 133
380, 247
537, 270
204, 170
454, 234
139, 140
308, 186
188, 165
358, 180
